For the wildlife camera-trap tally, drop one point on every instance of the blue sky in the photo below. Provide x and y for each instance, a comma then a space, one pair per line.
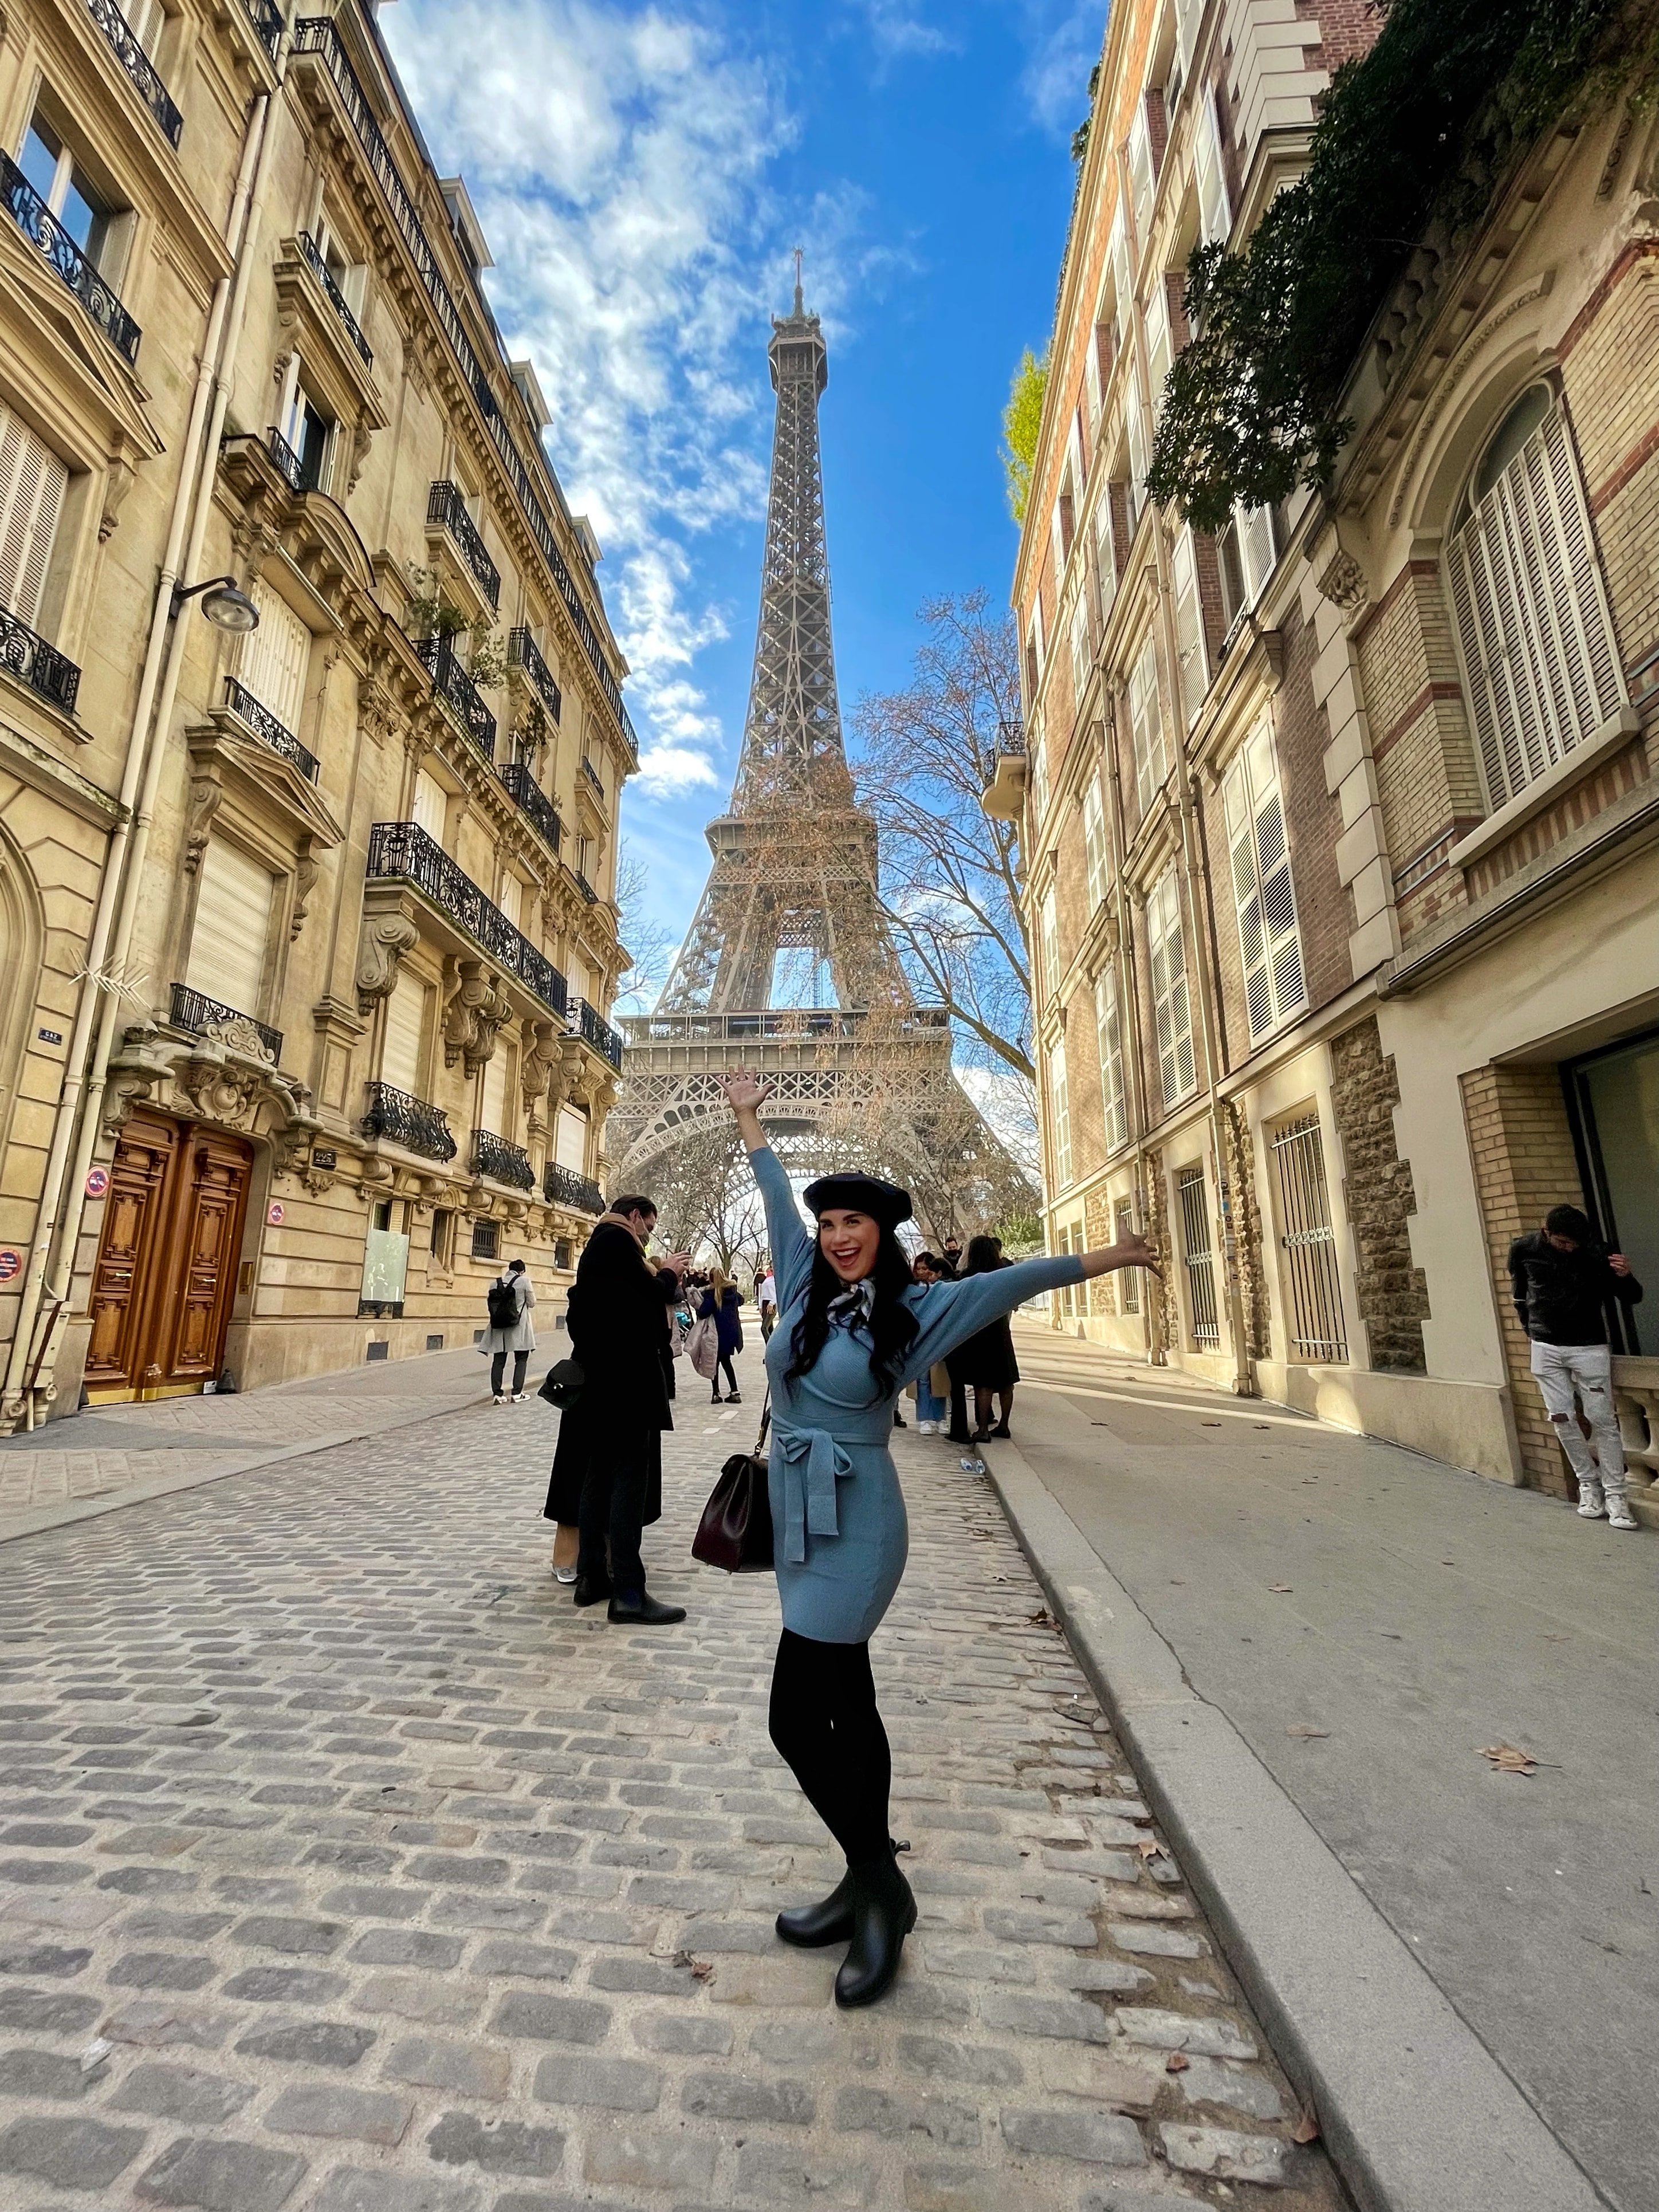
642, 173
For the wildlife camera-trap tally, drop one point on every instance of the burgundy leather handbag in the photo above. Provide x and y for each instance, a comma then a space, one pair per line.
735, 1532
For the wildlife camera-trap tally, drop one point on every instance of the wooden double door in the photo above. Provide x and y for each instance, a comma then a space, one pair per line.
166, 1273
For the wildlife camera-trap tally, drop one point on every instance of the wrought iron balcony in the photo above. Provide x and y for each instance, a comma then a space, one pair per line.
1011, 737
591, 777
316, 35
564, 1187
267, 20
407, 1122
584, 887
42, 229
33, 662
532, 800
268, 730
494, 1156
522, 653
195, 1011
446, 510
402, 850
288, 465
451, 682
138, 66
597, 1031
320, 269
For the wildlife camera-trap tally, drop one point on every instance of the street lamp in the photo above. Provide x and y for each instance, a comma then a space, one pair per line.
224, 604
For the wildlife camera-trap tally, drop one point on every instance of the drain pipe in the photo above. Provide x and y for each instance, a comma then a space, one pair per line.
63, 1198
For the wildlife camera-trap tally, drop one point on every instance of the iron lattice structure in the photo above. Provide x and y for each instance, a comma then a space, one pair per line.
862, 1075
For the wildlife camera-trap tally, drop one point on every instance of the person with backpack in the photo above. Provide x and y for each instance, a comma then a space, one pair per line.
511, 1298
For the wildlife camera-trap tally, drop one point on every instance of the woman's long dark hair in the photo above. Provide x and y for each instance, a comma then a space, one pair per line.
984, 1256
891, 1326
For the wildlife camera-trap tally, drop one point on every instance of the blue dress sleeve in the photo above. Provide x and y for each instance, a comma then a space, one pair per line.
950, 1313
786, 1232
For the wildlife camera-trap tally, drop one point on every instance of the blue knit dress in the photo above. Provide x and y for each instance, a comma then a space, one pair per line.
838, 1516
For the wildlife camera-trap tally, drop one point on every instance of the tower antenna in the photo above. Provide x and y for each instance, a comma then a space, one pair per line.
799, 308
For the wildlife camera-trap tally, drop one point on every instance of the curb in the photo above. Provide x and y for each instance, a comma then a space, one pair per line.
1416, 2112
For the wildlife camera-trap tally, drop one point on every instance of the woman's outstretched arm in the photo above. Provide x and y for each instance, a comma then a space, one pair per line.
786, 1234
951, 1312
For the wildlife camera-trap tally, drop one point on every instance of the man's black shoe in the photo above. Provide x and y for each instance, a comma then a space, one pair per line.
590, 1591
631, 1609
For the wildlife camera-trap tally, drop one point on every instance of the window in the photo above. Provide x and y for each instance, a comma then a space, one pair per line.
1060, 1116
1542, 670
1247, 553
486, 1240
401, 1055
1172, 1012
1139, 458
1050, 929
32, 482
1143, 178
431, 806
1160, 345
232, 933
1194, 676
275, 658
307, 430
492, 1109
1308, 1243
1215, 216
1270, 943
561, 1251
1081, 657
443, 1236
1128, 1279
1108, 1030
1097, 858
507, 896
90, 217
1105, 555
349, 277
1146, 727
1039, 756
1123, 274
1198, 1256
145, 21
570, 1139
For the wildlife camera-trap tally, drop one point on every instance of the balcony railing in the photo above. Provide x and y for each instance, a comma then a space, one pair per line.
267, 20
532, 800
316, 34
781, 1023
591, 777
288, 464
138, 66
446, 510
195, 1011
33, 662
268, 730
451, 682
564, 1187
320, 269
584, 887
494, 1156
597, 1032
403, 849
522, 653
42, 229
407, 1122
1011, 737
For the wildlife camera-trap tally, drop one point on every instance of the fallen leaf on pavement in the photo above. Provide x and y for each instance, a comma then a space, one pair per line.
701, 1968
1510, 1759
1041, 1619
1281, 1590
1210, 1424
1177, 2062
1306, 2129
1301, 1728
1149, 1849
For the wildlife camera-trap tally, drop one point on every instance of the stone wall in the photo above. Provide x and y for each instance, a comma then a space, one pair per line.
1379, 1198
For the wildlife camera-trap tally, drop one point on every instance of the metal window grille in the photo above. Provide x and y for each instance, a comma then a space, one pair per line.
1127, 1279
1199, 1259
1308, 1243
486, 1240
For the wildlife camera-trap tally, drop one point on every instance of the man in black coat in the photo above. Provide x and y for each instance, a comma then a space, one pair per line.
619, 1336
1561, 1279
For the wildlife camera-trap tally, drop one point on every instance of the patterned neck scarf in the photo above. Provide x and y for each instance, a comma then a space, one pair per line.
854, 1305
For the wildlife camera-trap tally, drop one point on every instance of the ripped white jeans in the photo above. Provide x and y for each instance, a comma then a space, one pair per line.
1563, 1368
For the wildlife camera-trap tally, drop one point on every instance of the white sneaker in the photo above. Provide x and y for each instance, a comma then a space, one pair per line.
1618, 1513
499, 1398
1590, 1507
519, 1397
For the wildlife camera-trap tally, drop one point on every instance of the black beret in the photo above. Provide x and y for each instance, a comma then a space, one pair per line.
884, 1202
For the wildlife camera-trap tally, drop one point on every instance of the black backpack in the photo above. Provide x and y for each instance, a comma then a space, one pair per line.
503, 1305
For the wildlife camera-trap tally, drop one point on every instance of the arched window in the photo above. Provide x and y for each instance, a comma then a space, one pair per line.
1541, 668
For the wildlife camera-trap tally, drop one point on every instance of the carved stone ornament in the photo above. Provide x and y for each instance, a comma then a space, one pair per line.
118, 480
305, 880
241, 1036
474, 1015
206, 796
382, 944
1342, 581
536, 1063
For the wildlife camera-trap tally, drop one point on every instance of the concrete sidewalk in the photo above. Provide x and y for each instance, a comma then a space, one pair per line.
1367, 1621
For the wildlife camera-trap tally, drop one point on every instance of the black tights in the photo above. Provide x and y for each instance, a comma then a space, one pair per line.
824, 1723
724, 1362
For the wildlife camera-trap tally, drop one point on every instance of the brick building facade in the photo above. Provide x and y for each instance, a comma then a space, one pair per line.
1340, 830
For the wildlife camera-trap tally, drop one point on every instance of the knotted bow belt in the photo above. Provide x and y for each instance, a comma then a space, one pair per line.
811, 1462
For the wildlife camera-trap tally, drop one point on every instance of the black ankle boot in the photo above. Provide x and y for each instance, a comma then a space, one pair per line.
812, 1926
884, 1913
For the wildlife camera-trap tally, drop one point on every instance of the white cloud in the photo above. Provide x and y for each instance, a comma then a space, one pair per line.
1064, 38
618, 160
897, 31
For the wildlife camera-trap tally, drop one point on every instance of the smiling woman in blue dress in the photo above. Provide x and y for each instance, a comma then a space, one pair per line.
853, 1329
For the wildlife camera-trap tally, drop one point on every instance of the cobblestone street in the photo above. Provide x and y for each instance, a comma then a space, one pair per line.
393, 1885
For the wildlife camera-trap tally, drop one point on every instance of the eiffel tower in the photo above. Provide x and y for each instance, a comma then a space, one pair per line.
789, 964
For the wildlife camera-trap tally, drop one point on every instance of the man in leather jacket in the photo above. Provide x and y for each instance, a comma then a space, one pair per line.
1561, 1279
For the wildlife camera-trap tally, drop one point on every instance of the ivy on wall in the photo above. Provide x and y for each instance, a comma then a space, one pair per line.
1419, 134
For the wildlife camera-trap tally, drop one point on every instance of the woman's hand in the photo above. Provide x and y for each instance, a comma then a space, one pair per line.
746, 1092
1134, 1252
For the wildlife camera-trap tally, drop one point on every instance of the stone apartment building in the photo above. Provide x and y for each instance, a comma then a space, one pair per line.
307, 927
1340, 830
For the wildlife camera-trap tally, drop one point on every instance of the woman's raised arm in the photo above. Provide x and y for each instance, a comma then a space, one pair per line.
746, 1093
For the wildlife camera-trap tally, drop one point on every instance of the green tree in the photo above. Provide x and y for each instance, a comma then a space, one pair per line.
1022, 419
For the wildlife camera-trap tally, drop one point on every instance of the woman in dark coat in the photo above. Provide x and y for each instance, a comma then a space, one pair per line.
985, 1363
722, 1303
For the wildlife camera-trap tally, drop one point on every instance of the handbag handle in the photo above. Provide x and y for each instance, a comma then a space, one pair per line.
765, 1422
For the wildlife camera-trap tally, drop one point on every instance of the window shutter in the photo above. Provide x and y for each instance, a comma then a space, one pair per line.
1039, 759
1172, 1013
1189, 628
232, 930
1050, 946
570, 1140
1147, 727
33, 481
1270, 942
1105, 556
1080, 655
1542, 672
430, 806
1257, 553
507, 898
1160, 346
1213, 212
275, 658
1060, 1114
406, 1026
1142, 177
1137, 458
1122, 276
1094, 842
494, 1106
1109, 1029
